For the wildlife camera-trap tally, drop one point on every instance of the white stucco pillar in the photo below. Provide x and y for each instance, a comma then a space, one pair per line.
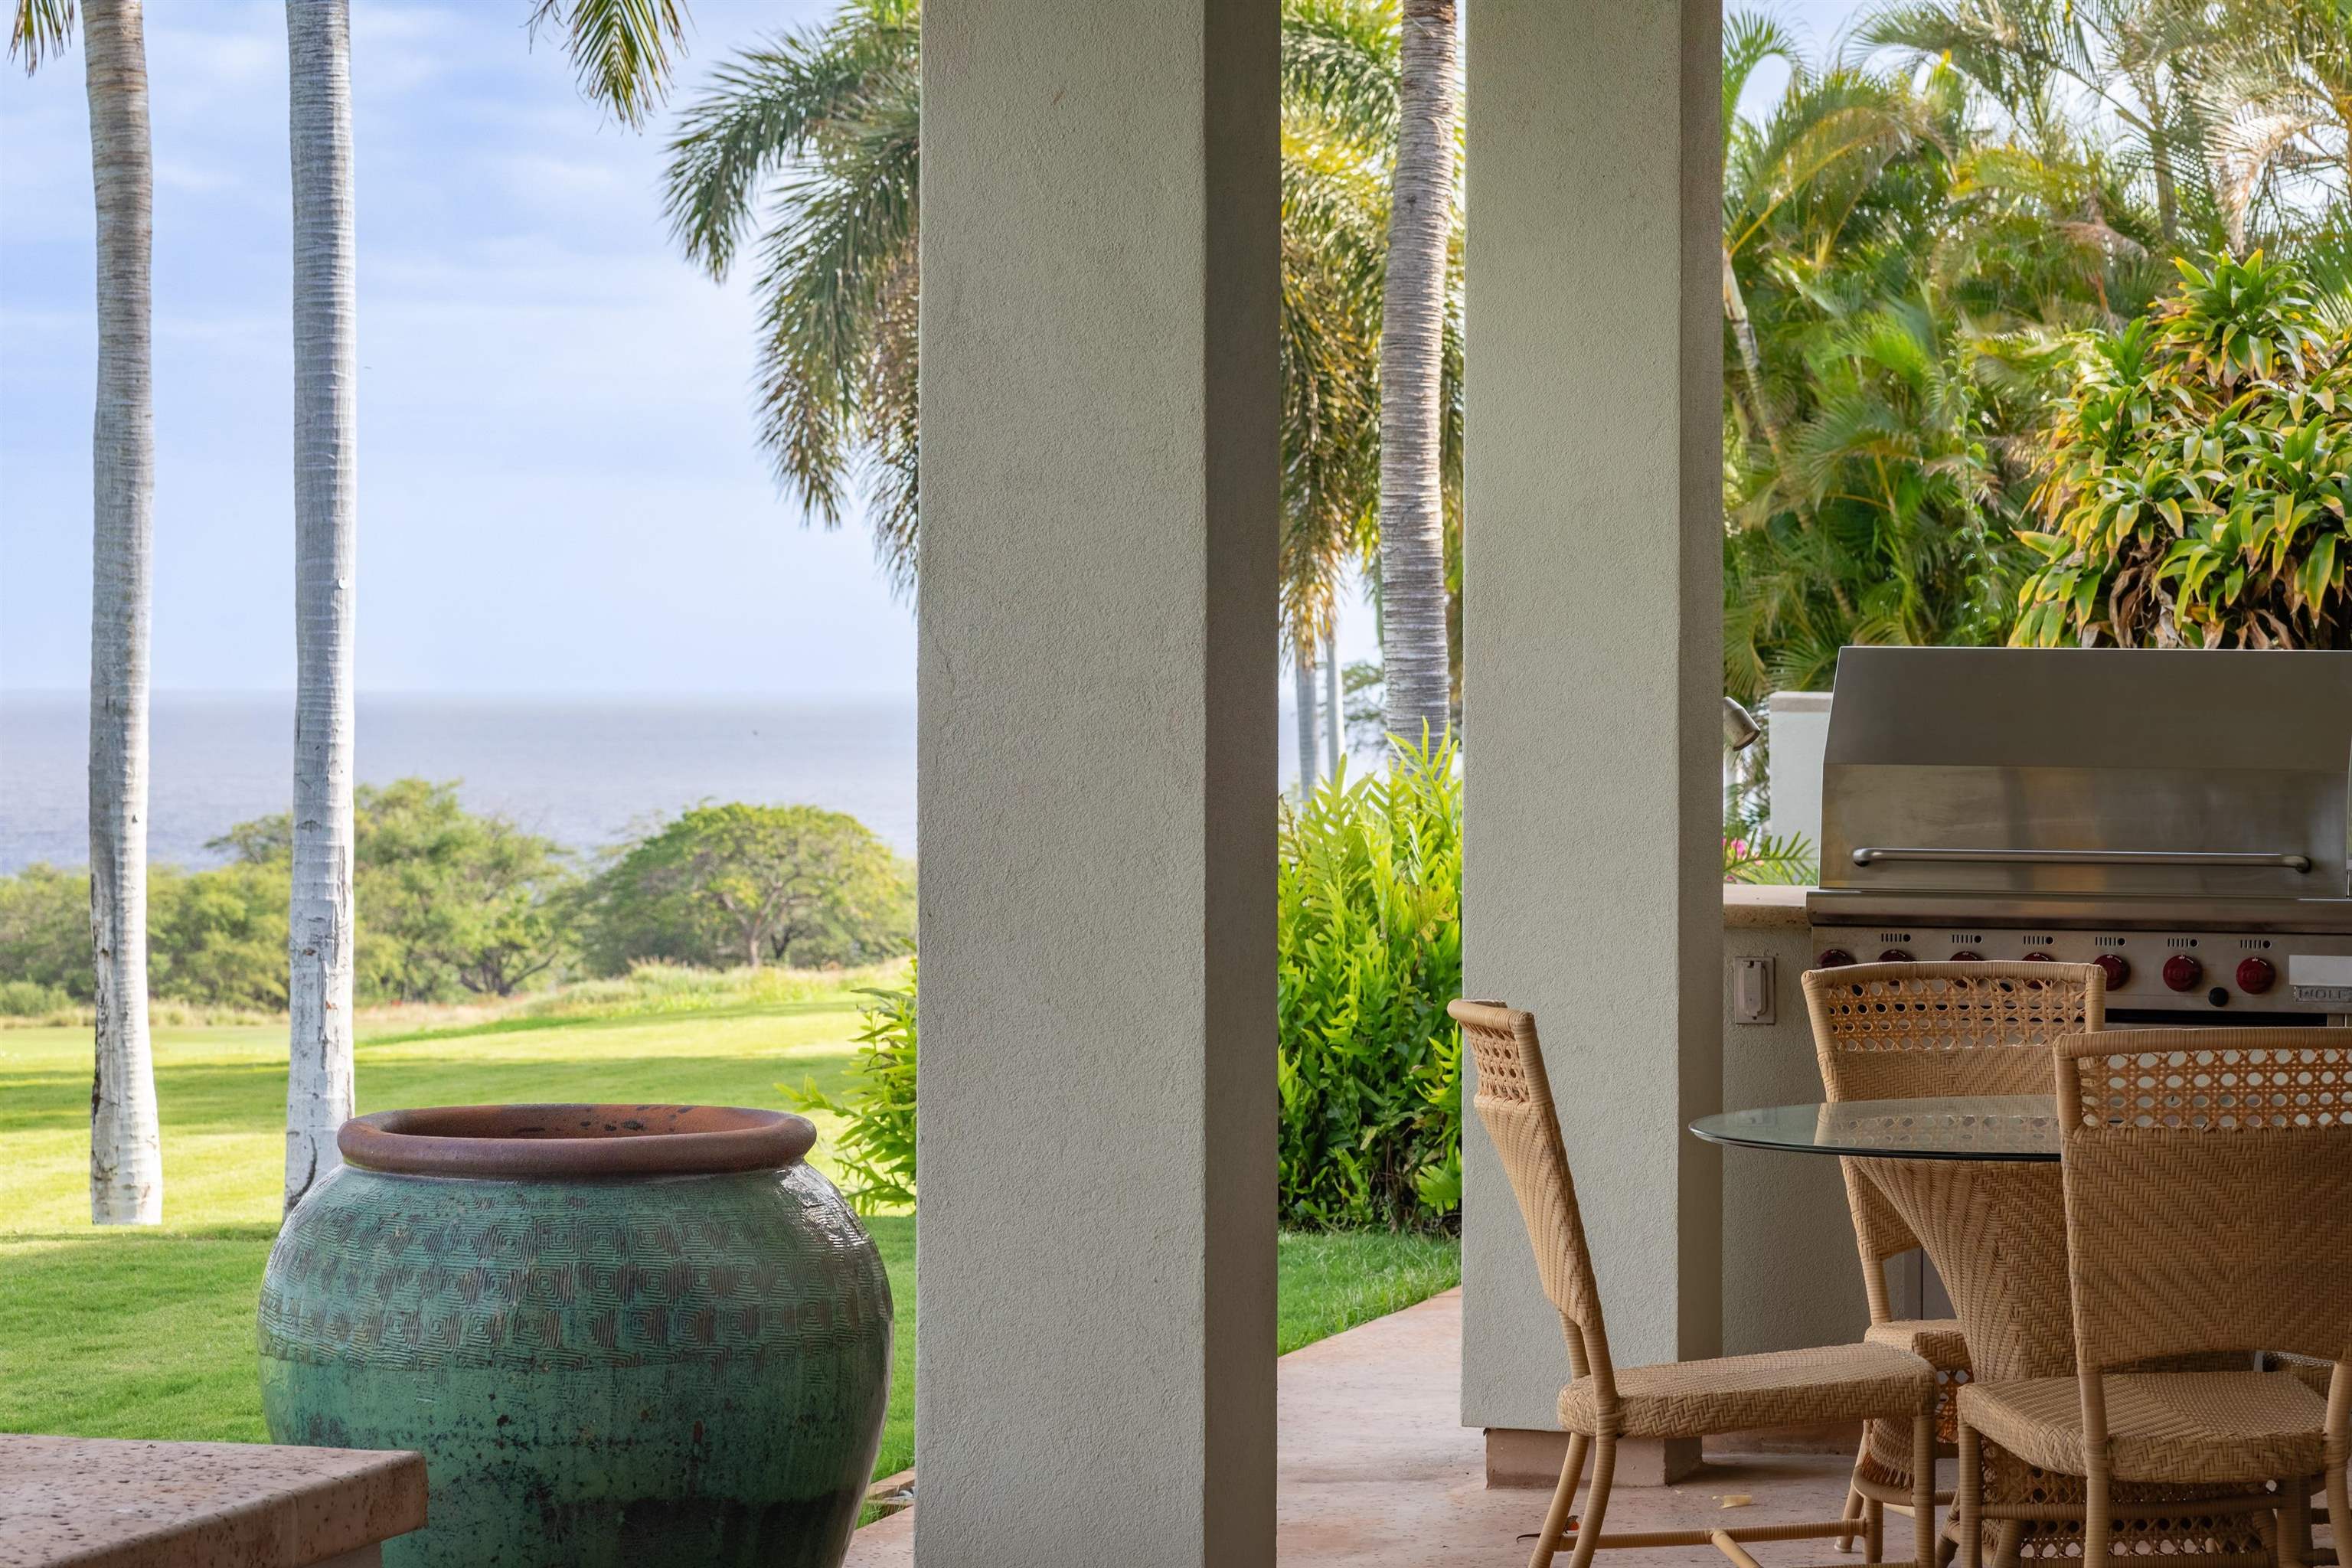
1097, 771
1594, 631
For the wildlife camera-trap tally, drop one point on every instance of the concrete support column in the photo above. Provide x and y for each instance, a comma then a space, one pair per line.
1594, 644
1097, 768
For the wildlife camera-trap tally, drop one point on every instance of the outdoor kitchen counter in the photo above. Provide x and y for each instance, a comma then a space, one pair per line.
1763, 909
95, 1502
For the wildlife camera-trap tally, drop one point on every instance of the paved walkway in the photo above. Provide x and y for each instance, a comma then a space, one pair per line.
1375, 1470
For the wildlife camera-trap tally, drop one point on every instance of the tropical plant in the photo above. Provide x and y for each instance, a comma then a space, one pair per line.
1369, 896
1415, 305
320, 936
2200, 476
2124, 73
622, 50
126, 1157
726, 885
807, 150
876, 1145
2280, 86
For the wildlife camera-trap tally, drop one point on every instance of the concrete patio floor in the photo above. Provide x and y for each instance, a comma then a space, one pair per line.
1375, 1470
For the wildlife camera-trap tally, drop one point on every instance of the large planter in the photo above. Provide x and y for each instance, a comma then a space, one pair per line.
622, 1336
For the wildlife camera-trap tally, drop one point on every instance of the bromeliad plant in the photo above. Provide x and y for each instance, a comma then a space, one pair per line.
1370, 951
2200, 476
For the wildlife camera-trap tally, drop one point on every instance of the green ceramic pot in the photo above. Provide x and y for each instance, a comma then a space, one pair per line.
622, 1336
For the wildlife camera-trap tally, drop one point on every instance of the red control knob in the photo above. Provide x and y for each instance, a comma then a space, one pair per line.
2038, 956
2117, 966
2256, 975
1896, 955
2182, 972
1967, 955
1832, 958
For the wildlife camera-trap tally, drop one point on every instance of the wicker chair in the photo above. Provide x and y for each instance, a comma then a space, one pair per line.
2208, 1210
1909, 1031
1604, 1403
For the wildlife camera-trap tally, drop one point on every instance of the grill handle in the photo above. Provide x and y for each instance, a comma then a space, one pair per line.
2085, 857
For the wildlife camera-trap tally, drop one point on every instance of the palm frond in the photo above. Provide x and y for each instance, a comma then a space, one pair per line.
41, 28
621, 49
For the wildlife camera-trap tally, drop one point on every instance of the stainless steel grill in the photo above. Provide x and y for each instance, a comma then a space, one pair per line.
2183, 819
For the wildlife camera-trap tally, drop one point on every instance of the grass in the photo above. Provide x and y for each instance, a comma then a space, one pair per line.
149, 1333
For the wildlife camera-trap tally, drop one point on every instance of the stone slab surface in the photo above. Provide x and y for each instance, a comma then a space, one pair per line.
1377, 1471
96, 1502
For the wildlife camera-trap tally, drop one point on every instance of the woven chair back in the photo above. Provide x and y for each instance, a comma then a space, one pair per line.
1514, 1101
1912, 1031
2208, 1191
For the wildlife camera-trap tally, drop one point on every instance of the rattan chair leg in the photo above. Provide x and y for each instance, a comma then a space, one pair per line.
2339, 1506
2294, 1526
1563, 1499
1874, 1534
1596, 1503
1969, 1488
1923, 1490
1853, 1499
2098, 1511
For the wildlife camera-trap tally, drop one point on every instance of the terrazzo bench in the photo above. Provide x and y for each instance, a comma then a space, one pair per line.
96, 1502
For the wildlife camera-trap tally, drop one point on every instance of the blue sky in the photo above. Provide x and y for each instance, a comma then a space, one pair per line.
559, 490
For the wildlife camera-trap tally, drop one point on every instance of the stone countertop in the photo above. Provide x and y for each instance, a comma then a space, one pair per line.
1748, 908
96, 1502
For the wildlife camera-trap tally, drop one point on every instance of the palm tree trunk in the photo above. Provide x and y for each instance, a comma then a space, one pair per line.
1333, 719
126, 1145
326, 540
1302, 688
1751, 360
1413, 652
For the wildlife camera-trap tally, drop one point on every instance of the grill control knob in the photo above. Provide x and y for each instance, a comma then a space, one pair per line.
1832, 958
2117, 966
1967, 955
2038, 956
1896, 955
2182, 972
2256, 975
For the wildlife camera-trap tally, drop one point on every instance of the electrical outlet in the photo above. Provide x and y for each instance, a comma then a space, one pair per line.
1751, 990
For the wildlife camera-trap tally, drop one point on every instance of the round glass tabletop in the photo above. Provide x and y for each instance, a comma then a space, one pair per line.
1971, 1127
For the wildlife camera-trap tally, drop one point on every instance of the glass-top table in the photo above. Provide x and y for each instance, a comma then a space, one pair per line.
1967, 1127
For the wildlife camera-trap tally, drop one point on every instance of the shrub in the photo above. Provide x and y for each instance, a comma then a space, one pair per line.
2201, 475
876, 1148
44, 931
30, 999
216, 938
1367, 955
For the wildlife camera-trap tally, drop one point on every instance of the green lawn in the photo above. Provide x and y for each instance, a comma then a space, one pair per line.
149, 1333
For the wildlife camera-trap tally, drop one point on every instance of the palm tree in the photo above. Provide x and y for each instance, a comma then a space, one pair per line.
1415, 653
808, 146
623, 51
320, 936
126, 1149
2281, 86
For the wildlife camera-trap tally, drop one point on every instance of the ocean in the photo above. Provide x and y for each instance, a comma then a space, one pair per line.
584, 771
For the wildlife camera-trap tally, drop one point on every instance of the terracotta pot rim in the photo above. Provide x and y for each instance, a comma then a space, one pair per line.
575, 1141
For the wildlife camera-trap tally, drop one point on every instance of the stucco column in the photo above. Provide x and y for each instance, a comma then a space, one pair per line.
1098, 770
1593, 622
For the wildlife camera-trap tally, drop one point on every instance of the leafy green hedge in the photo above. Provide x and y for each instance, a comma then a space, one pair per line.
1369, 953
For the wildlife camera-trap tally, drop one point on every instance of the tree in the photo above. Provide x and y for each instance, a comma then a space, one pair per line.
808, 149
622, 50
453, 900
727, 885
126, 1157
1415, 656
319, 935
2200, 476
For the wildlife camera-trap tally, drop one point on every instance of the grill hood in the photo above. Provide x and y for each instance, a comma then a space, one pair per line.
2072, 775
